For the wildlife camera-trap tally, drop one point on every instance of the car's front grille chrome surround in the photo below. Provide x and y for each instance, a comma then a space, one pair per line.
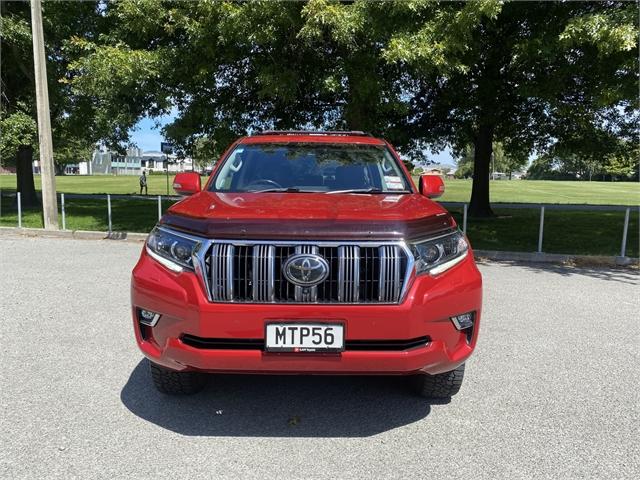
241, 271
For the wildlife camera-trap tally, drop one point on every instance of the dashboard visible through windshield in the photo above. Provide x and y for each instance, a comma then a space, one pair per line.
310, 167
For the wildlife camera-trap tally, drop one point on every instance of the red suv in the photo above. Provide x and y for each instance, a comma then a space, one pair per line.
307, 253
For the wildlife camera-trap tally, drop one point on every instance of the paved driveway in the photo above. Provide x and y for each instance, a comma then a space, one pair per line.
552, 391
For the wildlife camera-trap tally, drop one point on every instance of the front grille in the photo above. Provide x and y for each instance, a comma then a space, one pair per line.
258, 344
252, 273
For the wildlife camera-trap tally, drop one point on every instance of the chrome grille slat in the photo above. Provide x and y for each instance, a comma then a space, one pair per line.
222, 271
306, 294
349, 274
263, 272
251, 272
389, 289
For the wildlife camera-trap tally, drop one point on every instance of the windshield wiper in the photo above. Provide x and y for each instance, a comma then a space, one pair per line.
270, 190
364, 190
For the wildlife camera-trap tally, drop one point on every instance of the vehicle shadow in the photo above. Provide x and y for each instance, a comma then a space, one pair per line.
629, 275
279, 405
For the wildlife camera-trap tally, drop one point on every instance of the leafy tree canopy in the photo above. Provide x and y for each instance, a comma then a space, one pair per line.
72, 115
529, 75
544, 76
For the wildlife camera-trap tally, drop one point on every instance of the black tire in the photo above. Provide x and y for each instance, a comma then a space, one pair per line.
442, 385
176, 383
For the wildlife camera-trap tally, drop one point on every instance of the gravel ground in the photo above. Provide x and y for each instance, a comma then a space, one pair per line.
551, 392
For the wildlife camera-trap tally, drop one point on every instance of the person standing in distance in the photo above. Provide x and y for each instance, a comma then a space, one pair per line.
143, 183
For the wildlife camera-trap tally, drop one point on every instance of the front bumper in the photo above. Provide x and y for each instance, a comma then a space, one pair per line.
425, 311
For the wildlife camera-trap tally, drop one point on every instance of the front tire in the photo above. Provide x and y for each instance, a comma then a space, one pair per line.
442, 385
171, 382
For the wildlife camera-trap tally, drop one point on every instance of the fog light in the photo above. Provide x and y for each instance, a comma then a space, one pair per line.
148, 317
463, 321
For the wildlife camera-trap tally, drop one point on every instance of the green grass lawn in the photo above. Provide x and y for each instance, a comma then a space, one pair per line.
570, 232
546, 191
89, 214
505, 191
100, 184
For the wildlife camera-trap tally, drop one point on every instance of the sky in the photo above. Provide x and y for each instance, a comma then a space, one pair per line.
147, 136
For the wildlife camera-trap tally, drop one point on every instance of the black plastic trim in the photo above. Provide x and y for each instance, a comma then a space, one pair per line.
258, 344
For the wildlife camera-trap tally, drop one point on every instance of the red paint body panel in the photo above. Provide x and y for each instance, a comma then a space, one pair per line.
431, 186
310, 216
187, 183
425, 310
307, 206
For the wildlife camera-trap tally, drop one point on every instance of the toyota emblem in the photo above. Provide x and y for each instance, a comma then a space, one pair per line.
306, 270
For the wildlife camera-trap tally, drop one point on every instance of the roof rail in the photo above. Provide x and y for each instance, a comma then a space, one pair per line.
314, 132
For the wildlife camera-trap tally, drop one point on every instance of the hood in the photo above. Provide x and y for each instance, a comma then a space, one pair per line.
309, 216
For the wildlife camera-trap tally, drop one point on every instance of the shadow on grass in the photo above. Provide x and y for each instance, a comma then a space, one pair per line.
278, 405
567, 232
92, 214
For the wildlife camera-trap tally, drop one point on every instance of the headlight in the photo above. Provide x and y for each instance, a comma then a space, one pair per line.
172, 250
440, 254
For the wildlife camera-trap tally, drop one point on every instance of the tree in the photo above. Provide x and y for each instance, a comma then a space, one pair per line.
18, 135
464, 163
507, 162
71, 149
205, 152
543, 167
72, 115
230, 68
409, 165
227, 68
501, 161
526, 74
624, 162
531, 76
17, 116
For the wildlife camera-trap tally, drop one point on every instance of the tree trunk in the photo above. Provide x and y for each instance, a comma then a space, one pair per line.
24, 174
479, 205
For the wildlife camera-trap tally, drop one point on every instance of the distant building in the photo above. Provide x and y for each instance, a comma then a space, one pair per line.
154, 161
107, 162
439, 169
506, 176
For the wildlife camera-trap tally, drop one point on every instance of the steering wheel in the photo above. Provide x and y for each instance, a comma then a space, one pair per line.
265, 182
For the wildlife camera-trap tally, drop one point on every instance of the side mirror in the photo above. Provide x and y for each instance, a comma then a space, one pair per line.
431, 186
187, 183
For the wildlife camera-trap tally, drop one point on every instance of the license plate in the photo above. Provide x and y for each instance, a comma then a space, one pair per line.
304, 337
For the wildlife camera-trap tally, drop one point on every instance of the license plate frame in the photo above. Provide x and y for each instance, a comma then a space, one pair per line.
301, 348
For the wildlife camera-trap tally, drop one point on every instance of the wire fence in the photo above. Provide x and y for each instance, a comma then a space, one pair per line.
527, 227
561, 228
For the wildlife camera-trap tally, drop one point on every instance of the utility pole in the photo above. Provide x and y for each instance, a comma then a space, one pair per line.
47, 172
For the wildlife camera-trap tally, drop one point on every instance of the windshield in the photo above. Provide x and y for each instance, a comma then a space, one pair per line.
310, 167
